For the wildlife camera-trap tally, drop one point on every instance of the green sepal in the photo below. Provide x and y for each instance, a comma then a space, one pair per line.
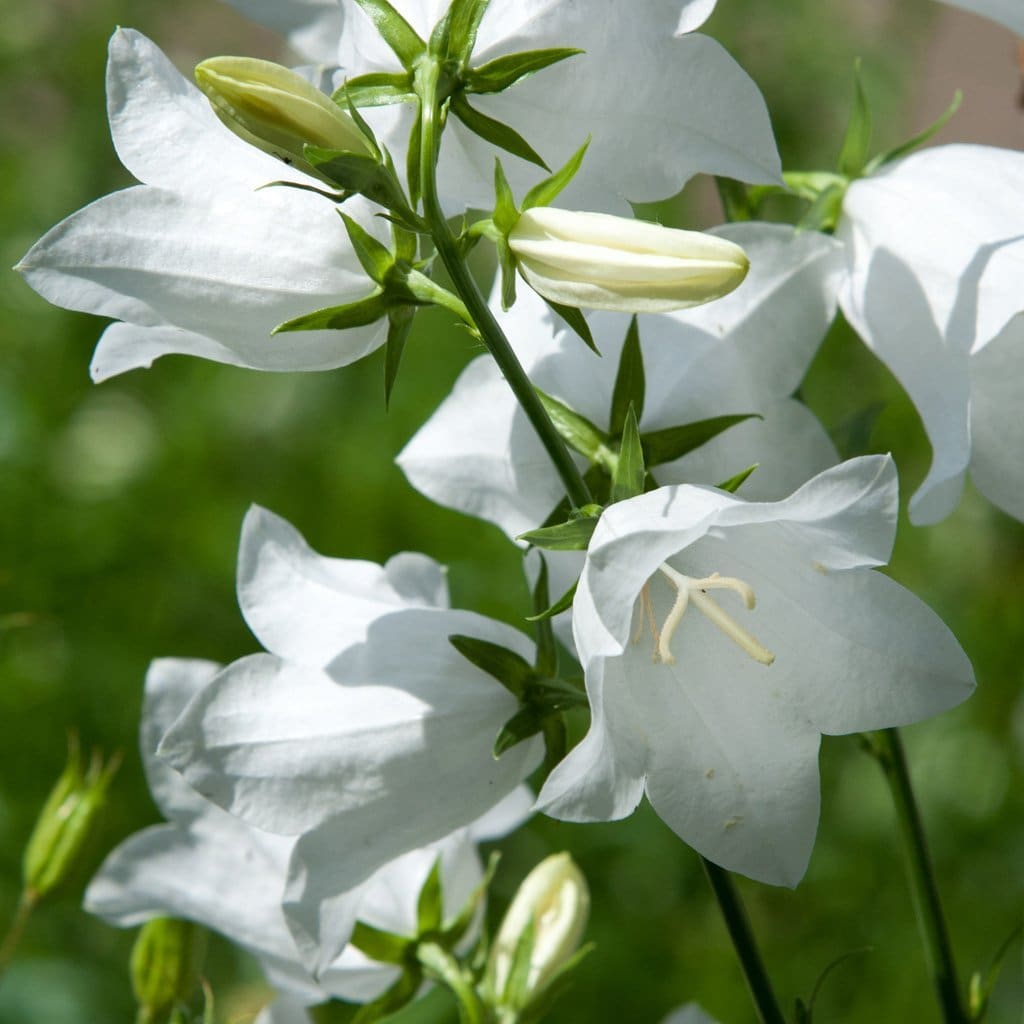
852, 436
810, 184
517, 991
461, 25
561, 605
523, 725
400, 36
547, 191
374, 257
360, 313
546, 659
390, 1002
421, 290
575, 319
824, 212
430, 905
572, 535
506, 214
499, 74
507, 264
734, 483
853, 154
630, 473
981, 985
918, 140
540, 1004
378, 89
495, 132
412, 156
364, 128
335, 197
377, 944
736, 201
511, 670
673, 443
455, 930
362, 174
399, 325
576, 430
630, 384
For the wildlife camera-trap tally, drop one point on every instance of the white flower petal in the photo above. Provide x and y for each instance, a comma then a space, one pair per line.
284, 1010
691, 1013
1006, 12
125, 347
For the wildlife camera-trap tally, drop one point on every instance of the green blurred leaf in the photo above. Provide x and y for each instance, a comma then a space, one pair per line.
853, 154
561, 605
547, 191
526, 722
400, 994
546, 660
377, 944
824, 212
572, 535
430, 905
736, 203
918, 140
630, 382
509, 668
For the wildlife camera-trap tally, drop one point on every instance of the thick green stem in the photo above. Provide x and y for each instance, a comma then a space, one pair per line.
26, 904
491, 333
738, 925
887, 747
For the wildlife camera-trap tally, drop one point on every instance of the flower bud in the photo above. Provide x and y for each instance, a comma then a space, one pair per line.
66, 821
597, 261
554, 901
166, 962
275, 109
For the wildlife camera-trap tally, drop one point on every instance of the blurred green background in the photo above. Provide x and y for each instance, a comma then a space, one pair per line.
120, 507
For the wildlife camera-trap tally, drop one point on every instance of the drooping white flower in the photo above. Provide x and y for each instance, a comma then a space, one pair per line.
200, 259
660, 102
721, 638
1007, 12
935, 253
746, 353
363, 727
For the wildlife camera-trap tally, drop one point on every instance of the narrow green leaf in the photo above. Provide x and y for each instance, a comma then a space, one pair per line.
546, 660
363, 174
853, 154
630, 383
521, 726
561, 605
375, 257
546, 192
507, 263
424, 291
628, 477
395, 31
400, 994
456, 929
412, 157
464, 21
556, 742
339, 318
734, 483
505, 211
364, 128
512, 671
918, 140
674, 442
376, 90
576, 430
399, 325
577, 321
430, 905
517, 986
735, 199
540, 1005
335, 197
495, 132
572, 535
384, 947
499, 74
823, 214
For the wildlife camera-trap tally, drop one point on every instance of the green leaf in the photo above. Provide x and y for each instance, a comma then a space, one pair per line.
674, 442
339, 318
918, 140
521, 726
572, 535
629, 382
399, 325
374, 257
576, 430
558, 983
395, 31
561, 605
511, 670
575, 320
629, 474
378, 89
824, 212
335, 197
412, 157
853, 154
507, 263
736, 203
464, 18
400, 994
517, 989
506, 214
546, 192
424, 291
356, 173
430, 905
546, 660
734, 483
495, 132
377, 944
499, 74
810, 184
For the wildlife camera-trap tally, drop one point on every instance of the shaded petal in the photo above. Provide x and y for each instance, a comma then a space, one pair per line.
313, 27
125, 347
691, 1013
284, 1010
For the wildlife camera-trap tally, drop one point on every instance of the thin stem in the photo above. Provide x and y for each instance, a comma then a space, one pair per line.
887, 747
738, 925
26, 904
490, 332
446, 969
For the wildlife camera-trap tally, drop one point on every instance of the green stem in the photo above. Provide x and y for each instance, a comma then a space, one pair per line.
491, 333
738, 925
26, 904
887, 747
445, 968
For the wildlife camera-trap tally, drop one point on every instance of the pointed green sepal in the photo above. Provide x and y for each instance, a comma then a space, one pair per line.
495, 132
810, 184
734, 483
463, 22
374, 257
918, 140
630, 473
503, 72
395, 31
673, 443
412, 156
572, 535
511, 670
430, 905
853, 154
377, 89
517, 989
564, 603
363, 174
546, 660
377, 944
575, 319
401, 994
399, 324
523, 725
576, 430
507, 264
735, 199
506, 213
559, 982
360, 313
547, 191
630, 383
824, 212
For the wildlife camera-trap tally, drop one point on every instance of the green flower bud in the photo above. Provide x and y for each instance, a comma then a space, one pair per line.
166, 963
276, 110
66, 821
597, 261
540, 932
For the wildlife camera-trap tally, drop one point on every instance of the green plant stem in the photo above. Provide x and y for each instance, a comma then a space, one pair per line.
491, 334
26, 904
887, 748
738, 925
446, 969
